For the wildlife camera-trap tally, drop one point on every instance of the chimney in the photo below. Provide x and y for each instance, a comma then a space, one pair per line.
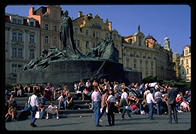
79, 14
31, 10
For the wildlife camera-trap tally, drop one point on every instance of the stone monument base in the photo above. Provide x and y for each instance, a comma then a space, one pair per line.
68, 72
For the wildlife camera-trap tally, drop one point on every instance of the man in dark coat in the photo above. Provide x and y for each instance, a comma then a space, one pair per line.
172, 93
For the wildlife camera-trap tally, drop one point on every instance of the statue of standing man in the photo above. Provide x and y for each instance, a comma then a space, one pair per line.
66, 34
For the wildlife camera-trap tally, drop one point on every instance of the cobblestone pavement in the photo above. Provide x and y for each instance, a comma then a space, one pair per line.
86, 122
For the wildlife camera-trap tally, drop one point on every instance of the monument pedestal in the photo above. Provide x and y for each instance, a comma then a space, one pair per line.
66, 72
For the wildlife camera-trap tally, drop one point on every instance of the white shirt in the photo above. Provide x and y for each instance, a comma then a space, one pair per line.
157, 95
33, 101
96, 96
124, 95
111, 98
149, 98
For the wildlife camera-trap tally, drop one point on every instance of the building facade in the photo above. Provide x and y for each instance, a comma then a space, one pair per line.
185, 64
144, 54
90, 30
22, 44
49, 19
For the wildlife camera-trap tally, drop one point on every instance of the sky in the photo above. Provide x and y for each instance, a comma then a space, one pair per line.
159, 21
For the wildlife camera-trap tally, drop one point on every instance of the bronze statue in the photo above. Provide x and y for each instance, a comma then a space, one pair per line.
66, 34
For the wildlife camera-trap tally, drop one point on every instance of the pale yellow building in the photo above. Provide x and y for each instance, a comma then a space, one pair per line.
144, 54
49, 19
176, 61
185, 64
90, 30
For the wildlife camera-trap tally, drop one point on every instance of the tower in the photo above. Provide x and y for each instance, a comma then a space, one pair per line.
167, 43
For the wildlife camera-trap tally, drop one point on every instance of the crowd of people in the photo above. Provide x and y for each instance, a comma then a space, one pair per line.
105, 97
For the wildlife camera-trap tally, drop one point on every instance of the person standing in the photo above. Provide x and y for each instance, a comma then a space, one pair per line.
103, 102
34, 102
172, 93
96, 100
124, 103
110, 105
158, 99
150, 101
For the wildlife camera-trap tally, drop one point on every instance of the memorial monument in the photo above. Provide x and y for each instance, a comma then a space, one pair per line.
70, 65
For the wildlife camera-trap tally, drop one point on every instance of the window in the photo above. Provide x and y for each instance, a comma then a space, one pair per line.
140, 62
187, 71
20, 37
19, 67
31, 54
187, 62
46, 27
55, 28
93, 34
14, 36
19, 21
127, 62
76, 30
87, 32
14, 21
32, 38
55, 40
186, 52
14, 52
14, 68
31, 24
97, 34
182, 62
46, 40
20, 53
114, 36
134, 66
151, 65
87, 45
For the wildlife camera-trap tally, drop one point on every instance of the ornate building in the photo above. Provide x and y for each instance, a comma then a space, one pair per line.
185, 64
176, 61
49, 19
90, 30
22, 44
144, 54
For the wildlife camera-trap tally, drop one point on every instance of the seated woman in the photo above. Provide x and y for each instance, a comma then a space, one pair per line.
10, 114
40, 111
52, 109
69, 101
86, 95
184, 106
62, 101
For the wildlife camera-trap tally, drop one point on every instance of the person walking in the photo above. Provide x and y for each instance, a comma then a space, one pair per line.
34, 103
110, 105
172, 93
103, 103
96, 100
124, 103
150, 101
158, 99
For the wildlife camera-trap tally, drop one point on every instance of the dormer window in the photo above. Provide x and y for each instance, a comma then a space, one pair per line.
31, 24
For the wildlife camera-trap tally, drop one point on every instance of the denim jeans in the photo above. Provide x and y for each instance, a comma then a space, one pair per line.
150, 114
172, 107
33, 112
96, 109
158, 106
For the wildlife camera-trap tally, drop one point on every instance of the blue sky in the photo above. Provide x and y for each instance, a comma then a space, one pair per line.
156, 20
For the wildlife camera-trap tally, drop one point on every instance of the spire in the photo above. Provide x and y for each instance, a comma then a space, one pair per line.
138, 28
